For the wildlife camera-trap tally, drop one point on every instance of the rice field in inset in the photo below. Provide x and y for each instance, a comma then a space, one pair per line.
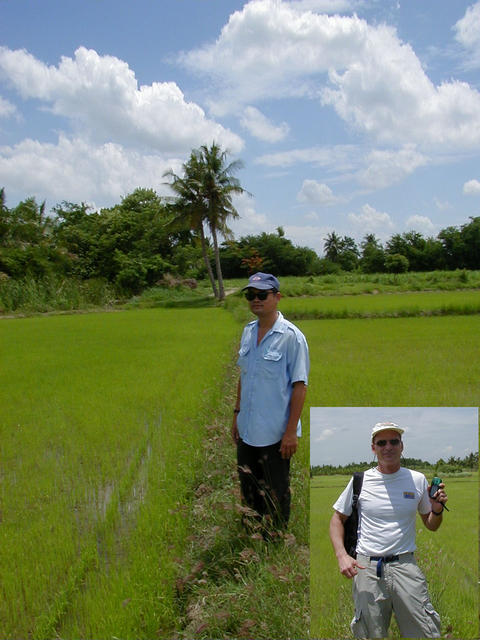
448, 557
102, 420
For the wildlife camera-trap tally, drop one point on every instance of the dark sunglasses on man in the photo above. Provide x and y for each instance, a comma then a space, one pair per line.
261, 295
394, 442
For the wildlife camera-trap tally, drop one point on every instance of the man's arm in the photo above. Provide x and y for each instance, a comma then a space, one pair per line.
235, 436
434, 519
347, 564
290, 440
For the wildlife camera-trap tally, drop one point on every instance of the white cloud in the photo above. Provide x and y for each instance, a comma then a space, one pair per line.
387, 95
101, 97
77, 171
372, 221
468, 34
325, 434
7, 109
270, 47
342, 157
423, 224
375, 169
260, 127
471, 188
385, 168
376, 83
250, 221
316, 193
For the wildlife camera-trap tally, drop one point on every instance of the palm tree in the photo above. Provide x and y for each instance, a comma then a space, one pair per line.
332, 246
219, 185
189, 208
205, 196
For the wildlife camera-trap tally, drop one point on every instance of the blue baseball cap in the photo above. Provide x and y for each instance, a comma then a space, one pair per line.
263, 281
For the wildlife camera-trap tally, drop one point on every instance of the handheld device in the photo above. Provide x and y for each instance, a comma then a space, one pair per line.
434, 487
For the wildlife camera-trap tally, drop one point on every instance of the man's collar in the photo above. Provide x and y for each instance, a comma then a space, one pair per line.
276, 326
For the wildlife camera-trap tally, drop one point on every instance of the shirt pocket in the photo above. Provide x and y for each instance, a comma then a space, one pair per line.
243, 357
272, 363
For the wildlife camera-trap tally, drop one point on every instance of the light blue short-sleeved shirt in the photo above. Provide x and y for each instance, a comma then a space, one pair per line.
268, 372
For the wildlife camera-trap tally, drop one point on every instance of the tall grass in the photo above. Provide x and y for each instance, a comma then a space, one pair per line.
448, 557
54, 294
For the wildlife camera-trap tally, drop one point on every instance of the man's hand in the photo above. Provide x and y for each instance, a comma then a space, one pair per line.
348, 566
288, 445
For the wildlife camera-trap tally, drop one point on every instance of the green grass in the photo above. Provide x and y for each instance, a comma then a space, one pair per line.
448, 557
178, 297
120, 497
384, 305
233, 584
429, 361
103, 416
54, 293
116, 464
353, 283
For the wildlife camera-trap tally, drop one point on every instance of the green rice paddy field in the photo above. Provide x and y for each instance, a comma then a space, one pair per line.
103, 416
384, 305
424, 361
448, 557
102, 420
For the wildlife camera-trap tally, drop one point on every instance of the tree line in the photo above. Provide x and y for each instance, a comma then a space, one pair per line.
452, 465
453, 248
133, 245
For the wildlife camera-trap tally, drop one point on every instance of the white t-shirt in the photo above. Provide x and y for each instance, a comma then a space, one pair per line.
387, 508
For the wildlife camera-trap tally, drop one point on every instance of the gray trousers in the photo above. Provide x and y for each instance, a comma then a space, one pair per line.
401, 589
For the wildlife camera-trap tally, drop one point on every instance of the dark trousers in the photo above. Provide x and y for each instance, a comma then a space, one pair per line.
265, 481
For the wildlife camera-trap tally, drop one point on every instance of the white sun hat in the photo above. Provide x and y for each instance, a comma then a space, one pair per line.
386, 426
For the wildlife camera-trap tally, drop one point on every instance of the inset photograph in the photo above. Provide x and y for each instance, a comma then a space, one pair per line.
394, 522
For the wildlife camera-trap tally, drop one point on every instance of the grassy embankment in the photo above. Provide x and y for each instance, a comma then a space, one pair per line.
448, 558
30, 296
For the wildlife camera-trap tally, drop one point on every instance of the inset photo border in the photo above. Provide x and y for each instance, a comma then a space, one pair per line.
438, 441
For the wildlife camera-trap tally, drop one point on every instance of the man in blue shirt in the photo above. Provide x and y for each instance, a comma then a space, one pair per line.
274, 365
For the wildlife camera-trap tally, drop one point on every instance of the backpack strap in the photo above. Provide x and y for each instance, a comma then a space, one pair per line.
357, 487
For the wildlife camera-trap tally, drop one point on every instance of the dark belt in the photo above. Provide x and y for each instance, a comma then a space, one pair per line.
380, 560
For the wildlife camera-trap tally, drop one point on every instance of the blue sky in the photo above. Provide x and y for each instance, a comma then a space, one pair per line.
349, 115
339, 435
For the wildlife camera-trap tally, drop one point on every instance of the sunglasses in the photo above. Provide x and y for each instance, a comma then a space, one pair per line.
261, 295
393, 442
